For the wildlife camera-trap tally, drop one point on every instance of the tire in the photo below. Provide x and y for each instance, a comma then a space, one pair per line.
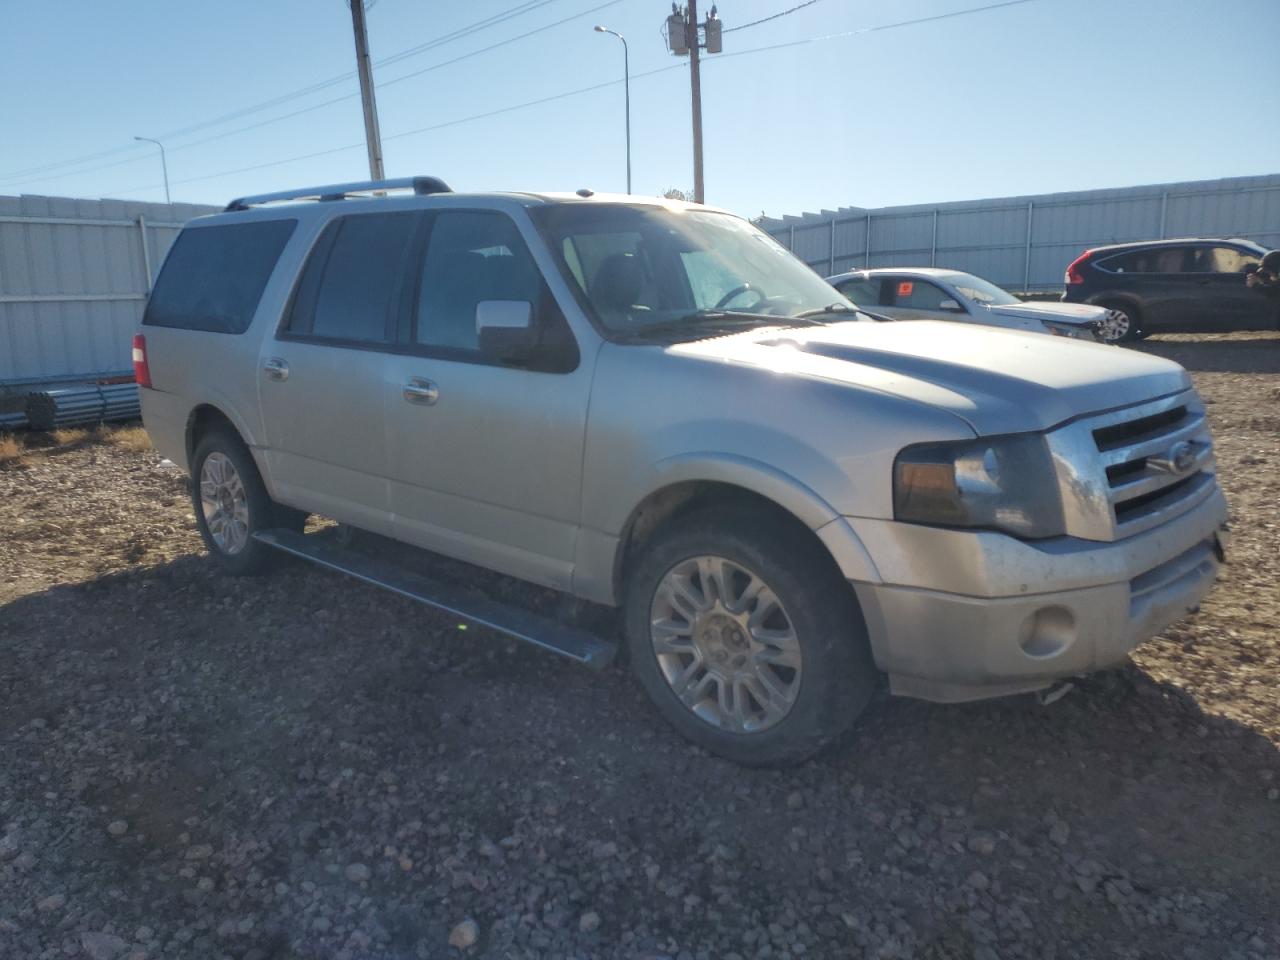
669, 635
231, 504
1122, 323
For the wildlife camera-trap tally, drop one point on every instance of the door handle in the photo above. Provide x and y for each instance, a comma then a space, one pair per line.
275, 368
421, 391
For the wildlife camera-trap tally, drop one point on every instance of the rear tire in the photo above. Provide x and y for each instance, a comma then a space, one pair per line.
1122, 323
746, 638
231, 504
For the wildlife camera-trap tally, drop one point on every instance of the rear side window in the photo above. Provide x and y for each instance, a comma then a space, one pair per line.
1154, 260
351, 285
864, 292
214, 276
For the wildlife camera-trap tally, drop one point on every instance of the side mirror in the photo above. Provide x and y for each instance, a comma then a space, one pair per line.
951, 306
504, 329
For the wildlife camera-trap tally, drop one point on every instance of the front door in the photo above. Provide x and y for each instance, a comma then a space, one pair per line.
1223, 301
910, 298
323, 377
485, 460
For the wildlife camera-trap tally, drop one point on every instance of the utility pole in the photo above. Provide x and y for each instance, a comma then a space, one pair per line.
685, 36
695, 86
373, 137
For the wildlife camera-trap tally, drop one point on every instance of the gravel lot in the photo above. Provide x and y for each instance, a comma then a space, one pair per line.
301, 766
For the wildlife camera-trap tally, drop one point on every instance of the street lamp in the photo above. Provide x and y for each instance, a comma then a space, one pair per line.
626, 84
163, 165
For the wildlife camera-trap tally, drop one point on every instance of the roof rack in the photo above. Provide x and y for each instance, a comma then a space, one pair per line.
422, 186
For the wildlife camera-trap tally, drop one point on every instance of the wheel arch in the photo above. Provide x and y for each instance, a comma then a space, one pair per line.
691, 487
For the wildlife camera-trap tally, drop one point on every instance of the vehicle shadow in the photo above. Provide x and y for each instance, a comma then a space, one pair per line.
316, 717
1239, 353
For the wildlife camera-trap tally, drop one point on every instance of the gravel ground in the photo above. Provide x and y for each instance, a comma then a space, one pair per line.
301, 766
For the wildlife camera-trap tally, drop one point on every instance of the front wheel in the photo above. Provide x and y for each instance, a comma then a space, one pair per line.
1120, 324
746, 638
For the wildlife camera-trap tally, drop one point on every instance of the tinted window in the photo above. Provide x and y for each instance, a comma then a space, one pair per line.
214, 276
350, 287
865, 292
1223, 260
1152, 260
916, 294
471, 256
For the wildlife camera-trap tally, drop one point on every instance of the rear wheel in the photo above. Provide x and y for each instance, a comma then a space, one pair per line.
1120, 324
746, 638
231, 503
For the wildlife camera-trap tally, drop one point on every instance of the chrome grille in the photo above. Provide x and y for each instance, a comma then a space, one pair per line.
1158, 460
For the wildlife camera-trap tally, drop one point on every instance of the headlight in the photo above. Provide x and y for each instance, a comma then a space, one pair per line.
1001, 483
1074, 331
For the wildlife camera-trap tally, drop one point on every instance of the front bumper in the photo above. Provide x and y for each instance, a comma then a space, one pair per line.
970, 615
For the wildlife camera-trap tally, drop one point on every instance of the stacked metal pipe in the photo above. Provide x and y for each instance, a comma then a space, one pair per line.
73, 406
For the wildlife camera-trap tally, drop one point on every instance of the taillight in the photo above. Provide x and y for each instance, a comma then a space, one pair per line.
141, 372
1073, 274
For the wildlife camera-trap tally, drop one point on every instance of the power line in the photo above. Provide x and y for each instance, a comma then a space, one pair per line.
775, 16
491, 21
340, 99
609, 83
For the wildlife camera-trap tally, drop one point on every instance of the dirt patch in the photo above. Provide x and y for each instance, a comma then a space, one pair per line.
301, 766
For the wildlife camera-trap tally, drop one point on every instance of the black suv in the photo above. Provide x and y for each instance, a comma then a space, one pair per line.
1167, 285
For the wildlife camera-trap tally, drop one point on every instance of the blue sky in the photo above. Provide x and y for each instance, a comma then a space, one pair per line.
1040, 96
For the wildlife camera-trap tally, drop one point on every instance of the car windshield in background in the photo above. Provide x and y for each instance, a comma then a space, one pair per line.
650, 268
979, 290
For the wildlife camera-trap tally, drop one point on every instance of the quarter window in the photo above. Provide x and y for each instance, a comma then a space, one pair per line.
213, 277
349, 290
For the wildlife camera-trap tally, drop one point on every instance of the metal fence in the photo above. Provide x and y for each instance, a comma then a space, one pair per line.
74, 276
1025, 243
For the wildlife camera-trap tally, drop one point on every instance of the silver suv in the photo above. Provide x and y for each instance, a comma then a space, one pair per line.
651, 405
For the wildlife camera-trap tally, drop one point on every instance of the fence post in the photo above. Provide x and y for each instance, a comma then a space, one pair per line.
933, 247
1164, 211
866, 254
1026, 264
831, 250
791, 239
146, 251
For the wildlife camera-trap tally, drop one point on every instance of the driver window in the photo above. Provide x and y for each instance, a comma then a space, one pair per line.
709, 279
917, 294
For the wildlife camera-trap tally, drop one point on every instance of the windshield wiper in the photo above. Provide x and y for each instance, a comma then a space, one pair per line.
703, 322
831, 309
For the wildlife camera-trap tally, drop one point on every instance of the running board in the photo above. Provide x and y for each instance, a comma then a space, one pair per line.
569, 641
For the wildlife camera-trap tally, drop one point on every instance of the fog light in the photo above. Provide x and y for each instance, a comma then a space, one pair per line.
1047, 632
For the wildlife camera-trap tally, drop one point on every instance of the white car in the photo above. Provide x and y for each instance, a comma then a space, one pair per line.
927, 293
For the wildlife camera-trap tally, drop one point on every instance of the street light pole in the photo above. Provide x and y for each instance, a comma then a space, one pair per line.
626, 86
695, 85
164, 165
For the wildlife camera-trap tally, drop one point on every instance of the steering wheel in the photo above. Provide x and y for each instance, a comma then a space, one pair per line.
738, 291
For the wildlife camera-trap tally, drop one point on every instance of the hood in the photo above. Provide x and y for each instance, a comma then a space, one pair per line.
1077, 313
998, 381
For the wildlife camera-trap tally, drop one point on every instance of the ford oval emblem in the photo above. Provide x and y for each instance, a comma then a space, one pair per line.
1180, 458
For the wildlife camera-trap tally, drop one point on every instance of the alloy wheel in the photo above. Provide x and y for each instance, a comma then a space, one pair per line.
1116, 325
224, 503
725, 644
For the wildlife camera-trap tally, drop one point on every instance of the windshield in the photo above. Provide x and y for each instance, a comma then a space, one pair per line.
641, 267
979, 290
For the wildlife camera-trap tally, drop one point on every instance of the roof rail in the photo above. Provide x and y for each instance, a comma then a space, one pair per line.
421, 186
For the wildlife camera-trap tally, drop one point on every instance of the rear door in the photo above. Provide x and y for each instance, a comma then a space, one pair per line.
1162, 280
323, 375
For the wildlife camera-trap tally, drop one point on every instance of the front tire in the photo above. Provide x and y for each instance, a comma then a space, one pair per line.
746, 638
231, 504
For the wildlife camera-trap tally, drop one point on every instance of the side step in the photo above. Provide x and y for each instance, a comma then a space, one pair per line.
566, 640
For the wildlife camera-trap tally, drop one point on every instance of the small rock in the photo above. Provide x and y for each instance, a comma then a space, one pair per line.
795, 800
357, 872
1060, 833
589, 922
117, 828
102, 946
465, 934
51, 903
978, 880
607, 850
1087, 883
10, 847
144, 934
201, 851
982, 843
